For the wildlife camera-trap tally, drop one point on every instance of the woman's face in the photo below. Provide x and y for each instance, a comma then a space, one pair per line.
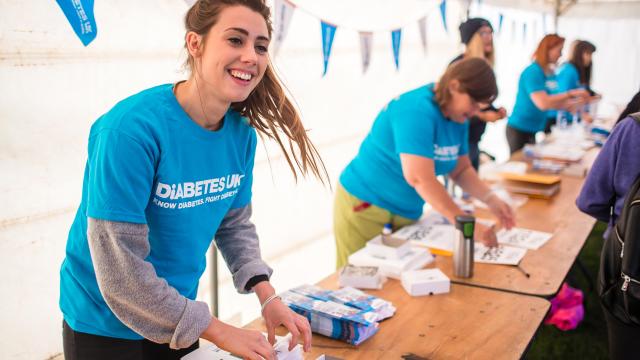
586, 58
486, 34
555, 53
235, 54
462, 106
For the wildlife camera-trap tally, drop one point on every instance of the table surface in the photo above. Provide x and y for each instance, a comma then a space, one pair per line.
468, 322
549, 265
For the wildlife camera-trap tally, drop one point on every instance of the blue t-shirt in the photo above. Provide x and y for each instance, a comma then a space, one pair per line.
410, 124
526, 116
149, 163
568, 78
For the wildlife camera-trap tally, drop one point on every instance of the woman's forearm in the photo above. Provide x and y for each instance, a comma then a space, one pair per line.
434, 193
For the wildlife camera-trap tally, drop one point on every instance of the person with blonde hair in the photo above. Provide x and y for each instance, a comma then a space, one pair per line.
169, 170
534, 98
477, 36
418, 136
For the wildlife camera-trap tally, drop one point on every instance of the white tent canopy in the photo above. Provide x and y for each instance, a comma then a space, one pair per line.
576, 8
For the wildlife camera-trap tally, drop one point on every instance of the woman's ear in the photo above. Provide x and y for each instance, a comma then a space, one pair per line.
194, 43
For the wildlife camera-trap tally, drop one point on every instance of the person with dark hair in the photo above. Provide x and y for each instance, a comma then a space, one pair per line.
417, 136
477, 36
632, 107
169, 170
576, 73
534, 98
603, 195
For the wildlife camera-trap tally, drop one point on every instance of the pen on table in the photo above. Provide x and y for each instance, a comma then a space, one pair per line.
522, 271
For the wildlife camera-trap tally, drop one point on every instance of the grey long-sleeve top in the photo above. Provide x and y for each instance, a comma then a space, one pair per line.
145, 302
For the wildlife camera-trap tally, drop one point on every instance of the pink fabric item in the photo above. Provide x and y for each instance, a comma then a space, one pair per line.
567, 310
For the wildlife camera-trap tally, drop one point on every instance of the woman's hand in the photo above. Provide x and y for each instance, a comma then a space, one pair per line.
492, 116
276, 313
502, 211
485, 235
579, 93
249, 344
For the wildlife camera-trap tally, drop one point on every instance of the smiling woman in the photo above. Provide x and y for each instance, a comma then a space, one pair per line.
169, 169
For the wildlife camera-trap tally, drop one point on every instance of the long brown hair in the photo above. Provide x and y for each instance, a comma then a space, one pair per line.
548, 42
268, 109
575, 57
476, 79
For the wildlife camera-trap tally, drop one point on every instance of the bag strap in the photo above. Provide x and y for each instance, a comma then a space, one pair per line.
631, 196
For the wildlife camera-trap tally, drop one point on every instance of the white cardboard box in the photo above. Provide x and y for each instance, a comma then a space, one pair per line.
388, 247
425, 282
212, 352
417, 258
361, 277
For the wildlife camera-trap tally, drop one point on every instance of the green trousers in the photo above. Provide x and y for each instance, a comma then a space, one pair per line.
355, 222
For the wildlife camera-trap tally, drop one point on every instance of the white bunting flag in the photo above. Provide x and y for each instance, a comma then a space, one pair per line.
283, 13
366, 39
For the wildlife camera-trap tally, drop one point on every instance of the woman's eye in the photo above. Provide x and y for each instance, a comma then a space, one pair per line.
235, 41
260, 49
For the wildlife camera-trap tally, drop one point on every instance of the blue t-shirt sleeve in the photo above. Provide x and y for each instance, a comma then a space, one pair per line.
413, 132
121, 173
243, 198
534, 80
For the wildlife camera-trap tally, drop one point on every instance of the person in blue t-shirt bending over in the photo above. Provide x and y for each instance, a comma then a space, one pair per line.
419, 135
533, 98
170, 169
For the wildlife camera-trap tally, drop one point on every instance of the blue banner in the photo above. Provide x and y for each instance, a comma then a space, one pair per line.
500, 20
328, 31
79, 13
396, 35
443, 13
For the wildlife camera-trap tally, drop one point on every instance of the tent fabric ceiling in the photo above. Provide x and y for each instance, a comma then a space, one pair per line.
577, 8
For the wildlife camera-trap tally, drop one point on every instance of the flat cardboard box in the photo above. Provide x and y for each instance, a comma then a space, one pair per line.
425, 282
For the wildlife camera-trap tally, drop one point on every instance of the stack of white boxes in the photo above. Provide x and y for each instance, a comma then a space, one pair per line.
391, 255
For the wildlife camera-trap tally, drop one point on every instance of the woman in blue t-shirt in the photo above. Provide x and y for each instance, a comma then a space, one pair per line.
576, 73
534, 98
419, 135
168, 170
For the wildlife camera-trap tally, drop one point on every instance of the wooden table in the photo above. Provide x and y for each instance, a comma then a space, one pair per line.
549, 265
469, 322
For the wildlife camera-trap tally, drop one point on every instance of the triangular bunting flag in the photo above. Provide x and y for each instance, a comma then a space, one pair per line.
366, 39
328, 31
524, 32
283, 13
500, 20
79, 13
443, 13
396, 35
422, 26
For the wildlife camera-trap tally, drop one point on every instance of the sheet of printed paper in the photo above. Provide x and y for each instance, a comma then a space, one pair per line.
505, 255
433, 236
525, 238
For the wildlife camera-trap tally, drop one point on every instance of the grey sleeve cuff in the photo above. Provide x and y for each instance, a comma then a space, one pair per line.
239, 245
194, 321
144, 302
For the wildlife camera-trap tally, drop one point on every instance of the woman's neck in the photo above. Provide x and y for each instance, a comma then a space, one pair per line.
203, 108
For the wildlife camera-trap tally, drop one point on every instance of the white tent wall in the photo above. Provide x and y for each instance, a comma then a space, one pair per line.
53, 89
